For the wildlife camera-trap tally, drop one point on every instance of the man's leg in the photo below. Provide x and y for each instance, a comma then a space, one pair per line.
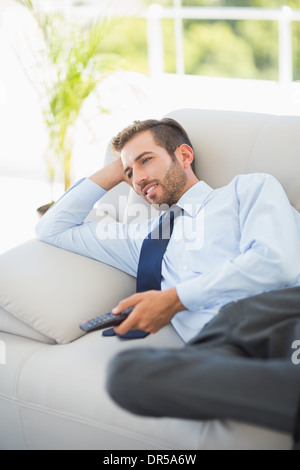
206, 383
263, 326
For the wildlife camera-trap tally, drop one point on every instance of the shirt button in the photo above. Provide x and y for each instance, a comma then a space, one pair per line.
201, 307
184, 268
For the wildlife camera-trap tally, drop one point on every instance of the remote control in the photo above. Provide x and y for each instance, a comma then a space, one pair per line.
105, 321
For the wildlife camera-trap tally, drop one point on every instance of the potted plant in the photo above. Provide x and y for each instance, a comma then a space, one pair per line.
75, 66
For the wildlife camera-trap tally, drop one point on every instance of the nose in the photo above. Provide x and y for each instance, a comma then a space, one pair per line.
138, 179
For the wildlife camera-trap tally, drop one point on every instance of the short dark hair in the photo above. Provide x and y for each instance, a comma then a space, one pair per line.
166, 132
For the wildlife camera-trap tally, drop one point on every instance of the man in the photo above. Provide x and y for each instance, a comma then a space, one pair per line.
249, 245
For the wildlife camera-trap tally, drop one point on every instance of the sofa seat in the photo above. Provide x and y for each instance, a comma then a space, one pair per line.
53, 397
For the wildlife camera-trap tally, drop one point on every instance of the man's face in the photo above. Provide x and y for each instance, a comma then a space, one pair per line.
151, 171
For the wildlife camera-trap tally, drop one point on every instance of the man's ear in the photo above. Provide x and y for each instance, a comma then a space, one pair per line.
186, 155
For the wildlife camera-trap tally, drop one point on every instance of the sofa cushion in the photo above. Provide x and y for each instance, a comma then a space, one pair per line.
11, 324
53, 290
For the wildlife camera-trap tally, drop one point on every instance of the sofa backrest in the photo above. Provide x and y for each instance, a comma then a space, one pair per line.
228, 143
231, 143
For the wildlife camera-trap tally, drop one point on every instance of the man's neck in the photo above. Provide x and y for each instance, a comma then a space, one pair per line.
190, 183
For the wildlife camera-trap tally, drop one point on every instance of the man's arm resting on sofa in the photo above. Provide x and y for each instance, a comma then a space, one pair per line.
64, 224
74, 206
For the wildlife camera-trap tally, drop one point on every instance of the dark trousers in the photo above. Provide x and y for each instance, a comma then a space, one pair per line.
239, 367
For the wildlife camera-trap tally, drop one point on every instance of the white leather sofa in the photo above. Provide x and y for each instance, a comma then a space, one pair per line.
52, 375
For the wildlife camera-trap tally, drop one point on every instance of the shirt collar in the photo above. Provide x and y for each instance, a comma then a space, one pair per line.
193, 199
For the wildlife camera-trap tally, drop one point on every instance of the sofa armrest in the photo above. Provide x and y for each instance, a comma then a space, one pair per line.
53, 290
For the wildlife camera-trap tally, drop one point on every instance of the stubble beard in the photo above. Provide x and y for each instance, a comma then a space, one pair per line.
172, 185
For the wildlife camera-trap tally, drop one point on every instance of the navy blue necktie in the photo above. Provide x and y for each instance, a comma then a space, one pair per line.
152, 252
150, 262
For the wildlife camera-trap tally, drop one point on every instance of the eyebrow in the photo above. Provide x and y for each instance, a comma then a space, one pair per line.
147, 152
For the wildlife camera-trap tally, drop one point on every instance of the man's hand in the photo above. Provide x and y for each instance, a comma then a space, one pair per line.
152, 310
109, 176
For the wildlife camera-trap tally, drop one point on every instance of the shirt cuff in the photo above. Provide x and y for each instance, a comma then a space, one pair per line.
189, 295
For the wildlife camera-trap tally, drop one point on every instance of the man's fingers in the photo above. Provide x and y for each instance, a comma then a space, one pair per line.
132, 322
125, 326
124, 305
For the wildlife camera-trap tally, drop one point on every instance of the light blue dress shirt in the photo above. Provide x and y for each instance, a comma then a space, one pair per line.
230, 243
